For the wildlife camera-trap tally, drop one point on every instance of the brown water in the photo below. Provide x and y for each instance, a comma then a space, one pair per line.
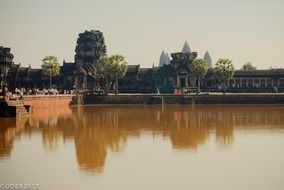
146, 147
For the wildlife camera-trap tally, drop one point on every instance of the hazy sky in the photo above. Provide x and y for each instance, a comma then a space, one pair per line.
241, 30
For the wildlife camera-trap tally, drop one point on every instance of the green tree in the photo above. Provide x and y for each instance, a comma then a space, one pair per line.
103, 71
198, 70
224, 70
248, 67
50, 67
112, 68
119, 68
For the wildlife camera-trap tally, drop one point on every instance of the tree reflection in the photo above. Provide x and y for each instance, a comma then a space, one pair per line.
6, 136
9, 129
47, 119
96, 132
50, 138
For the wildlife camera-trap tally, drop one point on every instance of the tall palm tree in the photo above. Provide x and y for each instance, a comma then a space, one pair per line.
50, 67
224, 70
113, 68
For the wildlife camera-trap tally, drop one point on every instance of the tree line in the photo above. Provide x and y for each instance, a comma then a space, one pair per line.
109, 68
112, 68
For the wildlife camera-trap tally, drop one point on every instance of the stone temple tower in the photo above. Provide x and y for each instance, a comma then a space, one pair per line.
185, 48
6, 61
90, 47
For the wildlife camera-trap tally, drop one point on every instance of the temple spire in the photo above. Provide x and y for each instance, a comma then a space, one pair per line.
186, 48
168, 59
207, 58
163, 59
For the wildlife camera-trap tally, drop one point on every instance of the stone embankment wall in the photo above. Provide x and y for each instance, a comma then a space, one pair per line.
39, 101
65, 100
187, 99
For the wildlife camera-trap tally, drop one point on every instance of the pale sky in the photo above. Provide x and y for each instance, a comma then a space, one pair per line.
241, 30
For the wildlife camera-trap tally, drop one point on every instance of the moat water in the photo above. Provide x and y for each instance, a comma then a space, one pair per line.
146, 147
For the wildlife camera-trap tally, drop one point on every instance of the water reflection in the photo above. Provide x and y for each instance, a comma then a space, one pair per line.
9, 129
96, 130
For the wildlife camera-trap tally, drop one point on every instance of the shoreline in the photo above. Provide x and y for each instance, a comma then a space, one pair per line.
228, 98
33, 103
42, 101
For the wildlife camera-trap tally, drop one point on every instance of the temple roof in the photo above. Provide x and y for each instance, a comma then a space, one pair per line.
28, 72
254, 73
133, 68
145, 70
67, 68
155, 69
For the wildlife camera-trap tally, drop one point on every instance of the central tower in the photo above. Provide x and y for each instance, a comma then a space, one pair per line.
90, 47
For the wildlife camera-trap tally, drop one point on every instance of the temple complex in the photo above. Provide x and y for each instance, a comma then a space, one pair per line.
172, 73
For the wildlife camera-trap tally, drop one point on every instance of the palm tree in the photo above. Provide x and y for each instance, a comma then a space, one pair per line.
50, 67
198, 70
112, 68
119, 67
224, 70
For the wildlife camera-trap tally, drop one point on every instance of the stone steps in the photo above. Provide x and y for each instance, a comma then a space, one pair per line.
13, 108
15, 102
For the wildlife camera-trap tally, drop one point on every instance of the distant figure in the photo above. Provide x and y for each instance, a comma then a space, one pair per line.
157, 91
17, 91
6, 93
21, 94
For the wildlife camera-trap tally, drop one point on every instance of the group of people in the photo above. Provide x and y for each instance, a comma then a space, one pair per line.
180, 91
5, 93
36, 91
20, 92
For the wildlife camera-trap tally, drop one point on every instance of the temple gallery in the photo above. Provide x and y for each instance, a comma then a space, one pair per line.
173, 72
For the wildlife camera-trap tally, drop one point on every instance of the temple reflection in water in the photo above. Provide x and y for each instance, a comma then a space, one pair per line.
96, 130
